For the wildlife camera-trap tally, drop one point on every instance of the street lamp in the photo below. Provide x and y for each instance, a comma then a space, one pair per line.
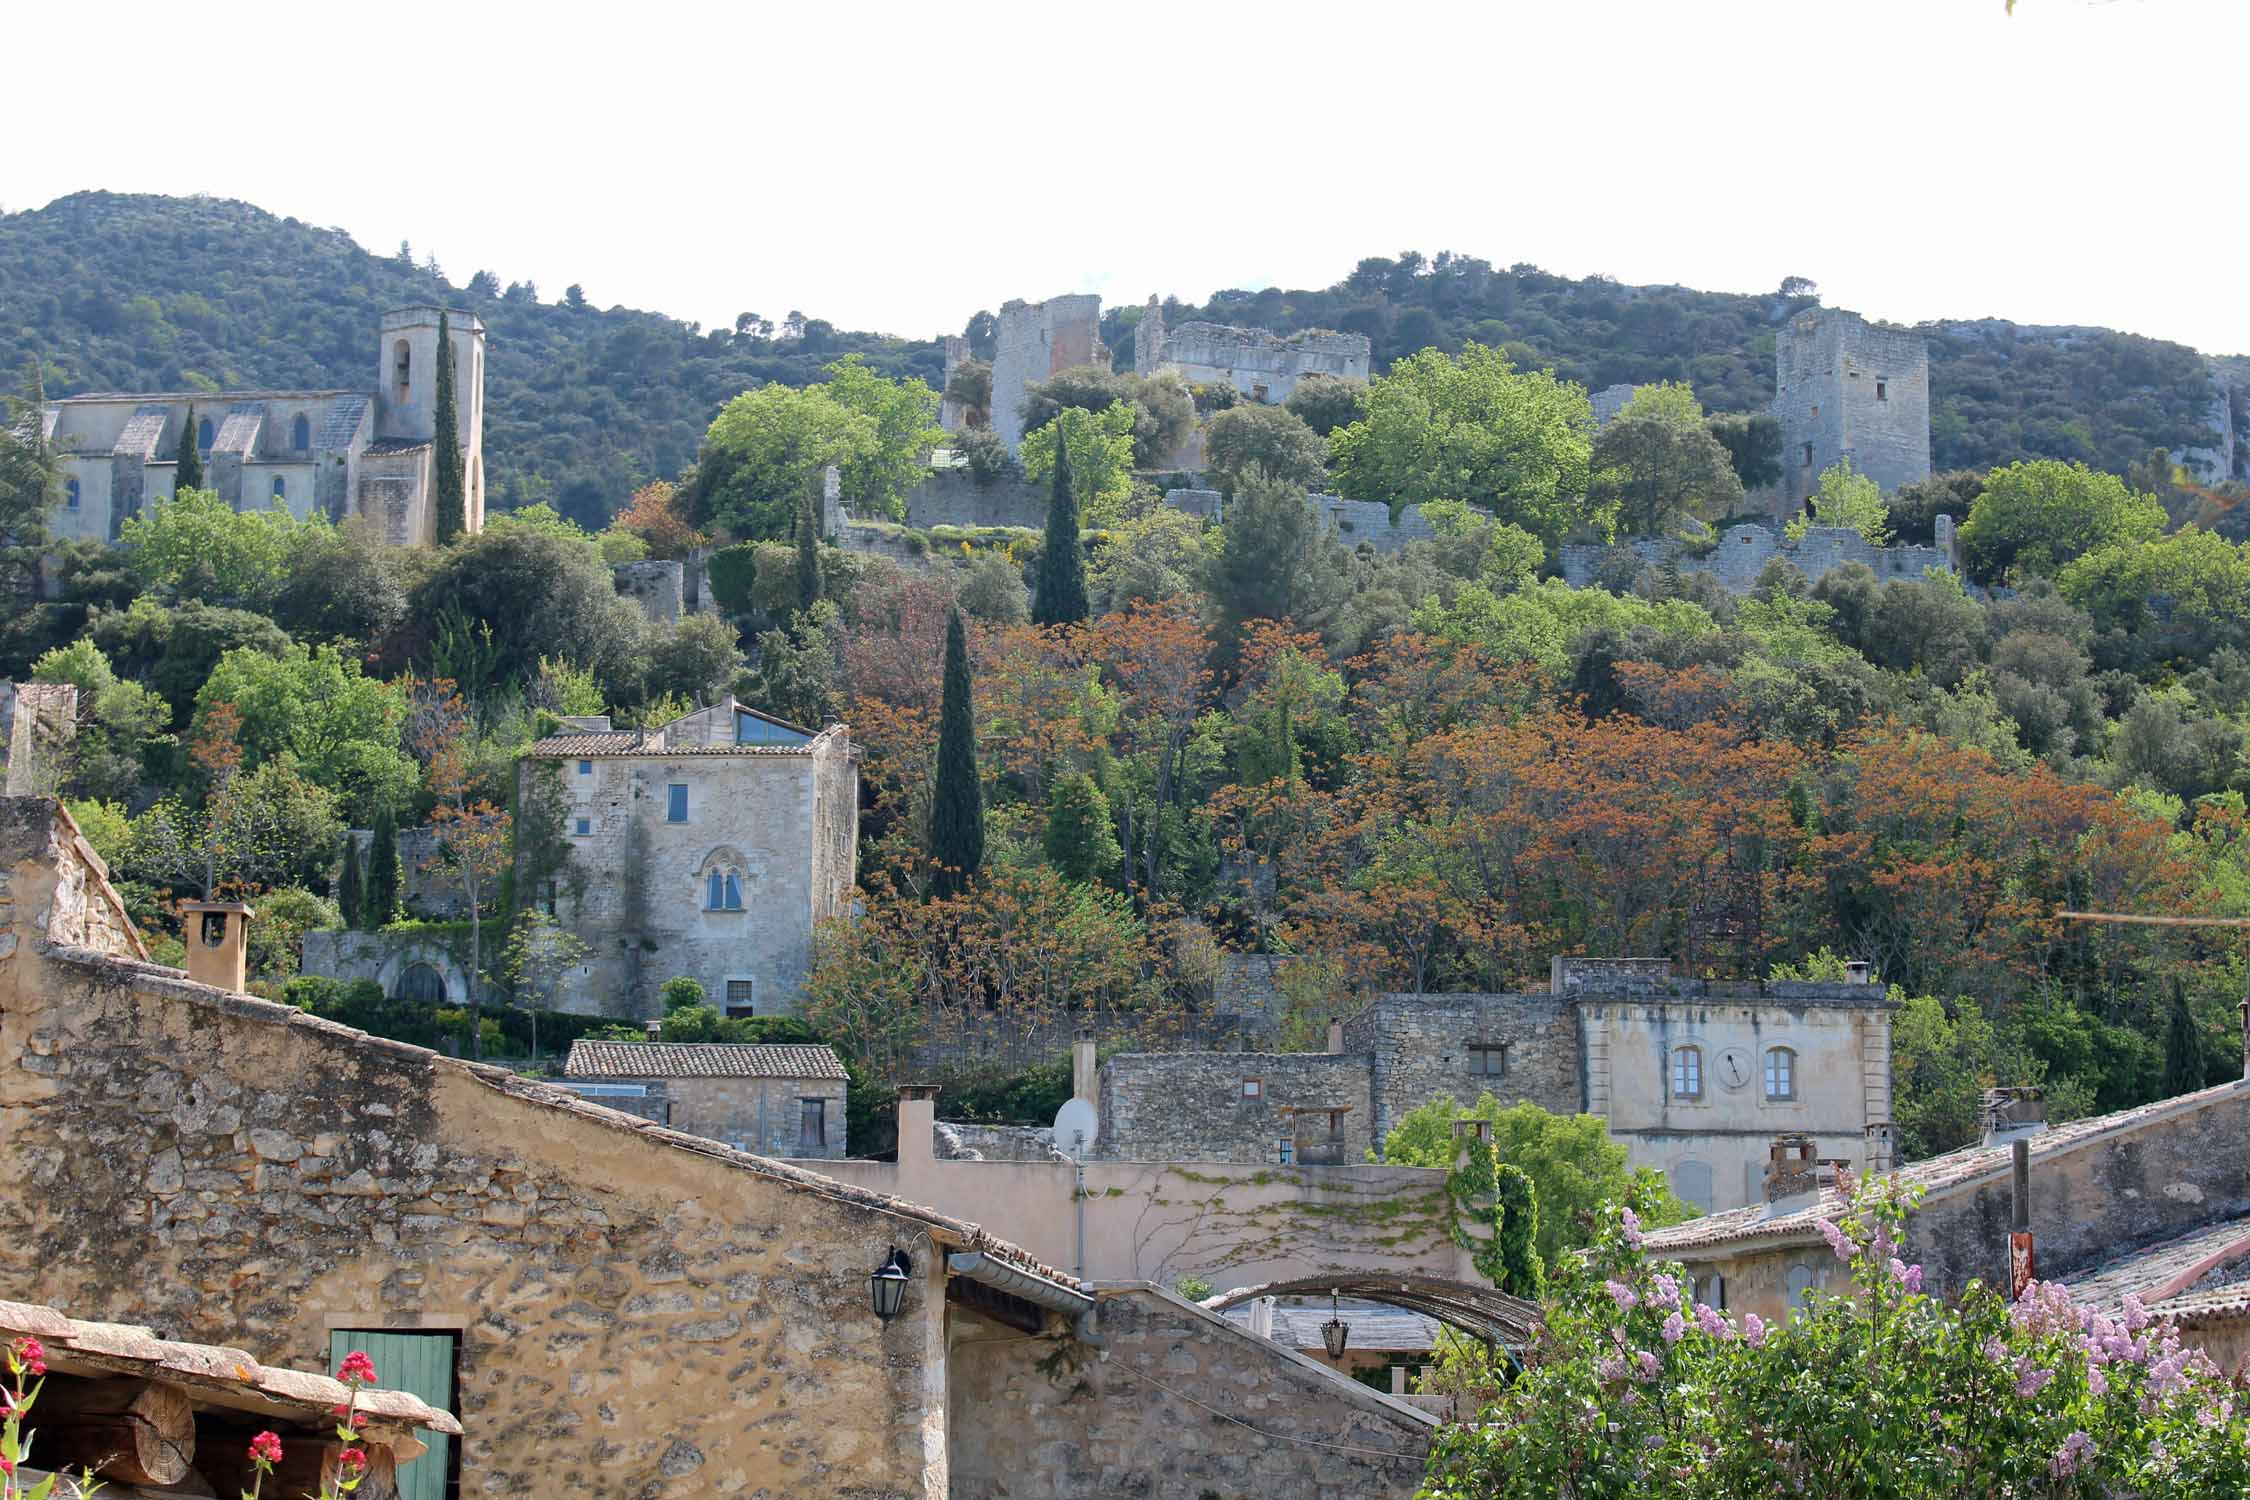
887, 1286
1335, 1331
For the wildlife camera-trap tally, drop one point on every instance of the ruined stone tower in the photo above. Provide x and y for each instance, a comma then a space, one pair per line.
1148, 338
1035, 340
1845, 388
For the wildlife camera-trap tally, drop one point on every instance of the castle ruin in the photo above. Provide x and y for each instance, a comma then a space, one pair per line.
1848, 389
1262, 366
1034, 342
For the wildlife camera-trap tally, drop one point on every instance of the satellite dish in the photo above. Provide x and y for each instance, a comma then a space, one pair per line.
1075, 1126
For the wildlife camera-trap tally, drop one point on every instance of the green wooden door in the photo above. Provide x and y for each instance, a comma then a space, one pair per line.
421, 1364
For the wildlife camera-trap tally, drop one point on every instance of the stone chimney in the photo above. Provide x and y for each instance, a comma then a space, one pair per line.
46, 721
217, 934
1335, 1036
1882, 1145
655, 1030
1791, 1168
831, 501
2012, 1113
917, 1126
1085, 1074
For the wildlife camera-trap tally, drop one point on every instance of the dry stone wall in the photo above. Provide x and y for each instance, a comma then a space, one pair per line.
1192, 1106
1178, 1404
1418, 1048
1743, 552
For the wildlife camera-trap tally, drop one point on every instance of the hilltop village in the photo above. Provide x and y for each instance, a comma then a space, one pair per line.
1160, 920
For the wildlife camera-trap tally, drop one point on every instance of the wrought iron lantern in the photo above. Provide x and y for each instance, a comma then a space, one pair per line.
887, 1286
1335, 1331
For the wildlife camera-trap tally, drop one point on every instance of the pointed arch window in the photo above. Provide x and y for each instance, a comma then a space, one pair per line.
300, 434
280, 487
722, 891
205, 434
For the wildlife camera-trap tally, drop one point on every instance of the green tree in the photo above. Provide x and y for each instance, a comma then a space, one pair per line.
679, 992
1101, 459
1277, 559
2184, 1066
196, 546
187, 473
1573, 1165
769, 446
1753, 444
1845, 499
30, 481
1060, 598
1657, 465
351, 885
1159, 413
1271, 438
1469, 427
450, 502
2035, 517
1081, 836
121, 724
957, 800
1523, 1273
317, 707
1327, 402
381, 908
808, 553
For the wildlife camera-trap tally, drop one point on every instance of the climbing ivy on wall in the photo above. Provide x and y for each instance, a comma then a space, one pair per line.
1488, 1194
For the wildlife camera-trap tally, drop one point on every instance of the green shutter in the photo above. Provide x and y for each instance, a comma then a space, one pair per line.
421, 1364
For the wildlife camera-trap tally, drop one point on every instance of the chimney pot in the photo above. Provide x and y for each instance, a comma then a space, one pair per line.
1335, 1036
655, 1031
217, 934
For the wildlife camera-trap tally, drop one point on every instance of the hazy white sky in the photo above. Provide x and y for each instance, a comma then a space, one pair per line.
899, 167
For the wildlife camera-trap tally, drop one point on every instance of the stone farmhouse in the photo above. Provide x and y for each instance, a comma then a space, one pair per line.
344, 453
612, 1307
707, 848
775, 1100
2152, 1202
1695, 1077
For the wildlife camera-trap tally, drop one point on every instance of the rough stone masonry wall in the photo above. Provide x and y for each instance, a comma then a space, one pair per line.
1743, 552
1179, 1404
1033, 341
1827, 365
1418, 1045
639, 1314
1189, 1106
758, 1114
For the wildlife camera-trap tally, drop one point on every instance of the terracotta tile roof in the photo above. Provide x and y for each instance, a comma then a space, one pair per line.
209, 1374
398, 445
700, 1060
2170, 1270
1937, 1175
2218, 1304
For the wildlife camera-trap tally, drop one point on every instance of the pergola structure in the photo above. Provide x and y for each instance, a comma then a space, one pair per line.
1476, 1310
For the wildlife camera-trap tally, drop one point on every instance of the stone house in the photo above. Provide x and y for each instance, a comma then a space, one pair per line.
616, 1308
773, 1100
708, 848
344, 453
2152, 1201
1694, 1077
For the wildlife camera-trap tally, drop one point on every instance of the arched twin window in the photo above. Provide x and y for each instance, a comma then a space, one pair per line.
1687, 1072
722, 891
300, 434
1781, 1073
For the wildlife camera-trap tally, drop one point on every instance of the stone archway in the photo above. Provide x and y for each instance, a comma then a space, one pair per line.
1478, 1310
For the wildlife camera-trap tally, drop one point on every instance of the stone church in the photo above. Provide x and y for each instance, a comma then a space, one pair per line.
364, 452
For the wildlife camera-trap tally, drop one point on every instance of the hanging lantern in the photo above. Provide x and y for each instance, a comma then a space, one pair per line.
1335, 1331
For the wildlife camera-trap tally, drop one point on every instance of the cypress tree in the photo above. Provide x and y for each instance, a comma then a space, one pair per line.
351, 891
808, 552
957, 811
1521, 1272
2184, 1067
382, 873
1062, 567
451, 507
189, 475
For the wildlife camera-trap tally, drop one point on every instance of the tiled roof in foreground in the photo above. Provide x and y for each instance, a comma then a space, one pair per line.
590, 1059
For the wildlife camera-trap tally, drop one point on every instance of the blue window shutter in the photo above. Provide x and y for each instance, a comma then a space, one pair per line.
585, 768
676, 808
712, 898
734, 894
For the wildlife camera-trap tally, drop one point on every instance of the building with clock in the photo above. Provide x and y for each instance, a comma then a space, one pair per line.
1696, 1077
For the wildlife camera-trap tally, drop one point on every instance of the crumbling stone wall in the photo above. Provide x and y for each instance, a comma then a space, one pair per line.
1160, 1412
1743, 552
952, 497
1416, 1048
1190, 1106
639, 1313
659, 588
1262, 365
1847, 388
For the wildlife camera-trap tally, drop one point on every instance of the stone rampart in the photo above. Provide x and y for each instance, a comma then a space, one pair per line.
1743, 552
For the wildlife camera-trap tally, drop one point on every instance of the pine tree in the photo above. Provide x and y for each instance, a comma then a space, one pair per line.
2184, 1067
808, 553
351, 889
382, 873
450, 506
957, 808
1062, 567
1521, 1272
1081, 840
189, 475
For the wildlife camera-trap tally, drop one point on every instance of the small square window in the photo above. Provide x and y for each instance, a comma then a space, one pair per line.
585, 827
1882, 390
675, 803
739, 992
1488, 1059
1253, 1088
585, 768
